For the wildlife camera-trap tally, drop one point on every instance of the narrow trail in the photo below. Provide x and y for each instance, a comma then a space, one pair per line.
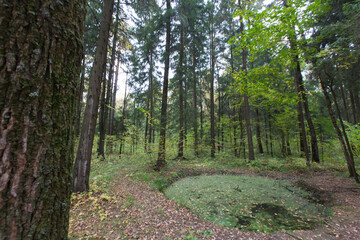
142, 213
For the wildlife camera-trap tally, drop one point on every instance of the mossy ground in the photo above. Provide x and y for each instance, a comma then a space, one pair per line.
248, 203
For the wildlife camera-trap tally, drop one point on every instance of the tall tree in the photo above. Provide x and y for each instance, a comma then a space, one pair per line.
41, 50
161, 161
81, 171
246, 96
181, 94
212, 77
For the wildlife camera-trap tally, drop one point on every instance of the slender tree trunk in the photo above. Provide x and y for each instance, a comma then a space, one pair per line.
83, 157
350, 162
246, 100
353, 107
40, 64
347, 115
113, 102
201, 122
101, 145
195, 123
357, 106
181, 99
270, 134
258, 131
212, 80
219, 120
161, 162
109, 91
151, 130
314, 145
146, 149
123, 117
81, 90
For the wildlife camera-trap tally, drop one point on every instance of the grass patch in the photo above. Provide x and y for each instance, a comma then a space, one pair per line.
248, 203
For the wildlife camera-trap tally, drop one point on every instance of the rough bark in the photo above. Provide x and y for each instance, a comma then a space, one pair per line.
83, 157
40, 62
161, 162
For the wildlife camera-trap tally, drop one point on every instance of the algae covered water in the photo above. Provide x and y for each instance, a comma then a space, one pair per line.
248, 203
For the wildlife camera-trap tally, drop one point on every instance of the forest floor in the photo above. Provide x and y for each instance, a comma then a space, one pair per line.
133, 209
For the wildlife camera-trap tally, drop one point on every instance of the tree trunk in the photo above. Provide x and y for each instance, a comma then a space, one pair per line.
83, 157
40, 65
246, 100
181, 99
349, 161
122, 130
258, 132
101, 145
113, 105
151, 127
81, 90
196, 141
270, 134
353, 107
314, 145
347, 115
212, 79
161, 162
113, 100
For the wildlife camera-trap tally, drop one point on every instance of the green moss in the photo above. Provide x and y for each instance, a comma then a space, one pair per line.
248, 203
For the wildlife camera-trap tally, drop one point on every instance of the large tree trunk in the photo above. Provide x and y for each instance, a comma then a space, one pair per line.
161, 162
83, 157
40, 65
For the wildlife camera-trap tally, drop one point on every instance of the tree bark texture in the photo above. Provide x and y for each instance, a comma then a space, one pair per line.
83, 157
40, 62
161, 162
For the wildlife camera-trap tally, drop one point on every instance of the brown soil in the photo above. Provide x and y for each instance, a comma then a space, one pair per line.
132, 210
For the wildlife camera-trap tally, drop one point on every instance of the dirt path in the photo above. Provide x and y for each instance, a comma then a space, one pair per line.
138, 212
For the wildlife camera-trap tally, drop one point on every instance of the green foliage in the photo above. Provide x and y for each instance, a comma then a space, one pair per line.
248, 203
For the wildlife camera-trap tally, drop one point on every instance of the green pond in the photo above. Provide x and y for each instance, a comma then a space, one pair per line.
248, 203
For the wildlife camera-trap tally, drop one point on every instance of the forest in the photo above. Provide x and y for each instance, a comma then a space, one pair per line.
183, 119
